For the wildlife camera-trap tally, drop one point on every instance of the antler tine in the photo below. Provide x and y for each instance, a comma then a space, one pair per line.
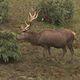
36, 15
27, 26
30, 14
28, 17
31, 17
26, 23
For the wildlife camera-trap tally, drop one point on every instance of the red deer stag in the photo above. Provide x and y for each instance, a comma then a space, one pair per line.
58, 38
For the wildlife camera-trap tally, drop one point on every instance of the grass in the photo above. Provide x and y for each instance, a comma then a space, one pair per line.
33, 65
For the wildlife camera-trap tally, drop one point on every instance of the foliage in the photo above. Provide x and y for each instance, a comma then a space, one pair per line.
56, 11
8, 46
3, 10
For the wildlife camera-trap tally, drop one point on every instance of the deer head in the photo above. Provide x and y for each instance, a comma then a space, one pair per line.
32, 16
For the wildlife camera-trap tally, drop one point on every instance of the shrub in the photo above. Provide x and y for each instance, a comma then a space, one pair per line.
3, 10
9, 49
56, 11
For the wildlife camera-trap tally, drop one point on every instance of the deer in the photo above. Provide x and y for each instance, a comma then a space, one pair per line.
57, 38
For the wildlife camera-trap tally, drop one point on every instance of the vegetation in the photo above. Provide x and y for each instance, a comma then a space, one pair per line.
8, 47
3, 10
56, 11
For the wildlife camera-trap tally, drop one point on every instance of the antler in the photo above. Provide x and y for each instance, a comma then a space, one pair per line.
26, 28
32, 16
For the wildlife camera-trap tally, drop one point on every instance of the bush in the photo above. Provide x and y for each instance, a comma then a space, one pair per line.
56, 11
9, 49
3, 10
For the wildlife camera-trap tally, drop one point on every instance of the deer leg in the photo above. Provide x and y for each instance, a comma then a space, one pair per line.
70, 46
44, 50
64, 51
49, 51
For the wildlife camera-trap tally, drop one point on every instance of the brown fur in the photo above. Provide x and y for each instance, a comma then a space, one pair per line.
58, 38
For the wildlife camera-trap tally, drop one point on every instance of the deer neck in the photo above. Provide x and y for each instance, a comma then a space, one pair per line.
33, 37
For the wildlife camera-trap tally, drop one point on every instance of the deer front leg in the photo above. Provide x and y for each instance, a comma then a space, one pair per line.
70, 46
64, 51
45, 51
49, 51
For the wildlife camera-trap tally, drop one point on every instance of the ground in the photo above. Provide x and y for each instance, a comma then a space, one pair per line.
33, 66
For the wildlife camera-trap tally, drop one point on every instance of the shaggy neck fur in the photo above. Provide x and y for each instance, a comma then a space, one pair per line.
33, 37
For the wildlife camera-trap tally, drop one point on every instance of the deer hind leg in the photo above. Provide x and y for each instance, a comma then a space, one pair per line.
70, 46
64, 51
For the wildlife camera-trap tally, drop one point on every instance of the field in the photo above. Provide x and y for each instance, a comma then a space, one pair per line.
33, 66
